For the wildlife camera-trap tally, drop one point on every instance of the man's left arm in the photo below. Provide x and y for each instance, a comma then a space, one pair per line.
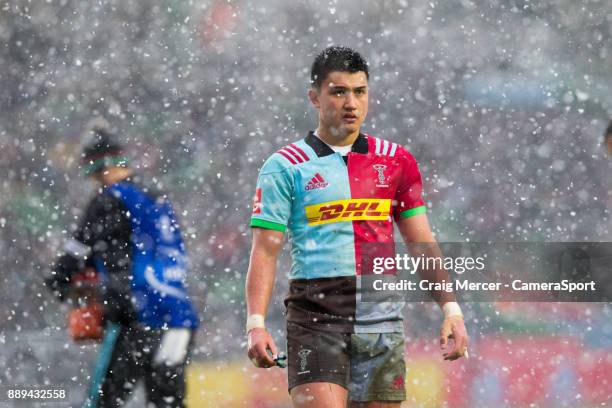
416, 230
104, 231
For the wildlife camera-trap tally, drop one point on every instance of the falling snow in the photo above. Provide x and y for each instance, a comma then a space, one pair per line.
503, 103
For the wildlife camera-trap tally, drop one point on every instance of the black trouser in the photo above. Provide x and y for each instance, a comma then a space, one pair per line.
127, 356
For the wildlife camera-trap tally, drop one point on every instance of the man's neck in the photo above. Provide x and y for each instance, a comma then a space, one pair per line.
332, 139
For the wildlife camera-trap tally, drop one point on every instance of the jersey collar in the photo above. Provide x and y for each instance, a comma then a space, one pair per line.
321, 149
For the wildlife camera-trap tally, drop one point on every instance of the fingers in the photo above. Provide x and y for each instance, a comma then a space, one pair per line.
455, 329
259, 357
445, 333
273, 349
455, 353
259, 343
461, 338
262, 357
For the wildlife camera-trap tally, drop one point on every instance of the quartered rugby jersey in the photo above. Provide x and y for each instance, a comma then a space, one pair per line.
331, 210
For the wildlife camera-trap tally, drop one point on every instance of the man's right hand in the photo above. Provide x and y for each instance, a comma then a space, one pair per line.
259, 342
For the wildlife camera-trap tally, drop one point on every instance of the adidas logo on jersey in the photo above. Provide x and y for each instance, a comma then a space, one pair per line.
316, 182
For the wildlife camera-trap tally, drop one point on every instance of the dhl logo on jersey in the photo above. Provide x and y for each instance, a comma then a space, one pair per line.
357, 209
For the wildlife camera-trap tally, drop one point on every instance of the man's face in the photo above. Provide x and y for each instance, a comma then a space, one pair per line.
609, 144
342, 102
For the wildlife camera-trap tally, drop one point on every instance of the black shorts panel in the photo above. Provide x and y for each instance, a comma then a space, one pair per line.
317, 356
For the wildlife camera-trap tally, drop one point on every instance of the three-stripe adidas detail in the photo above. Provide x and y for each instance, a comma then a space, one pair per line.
293, 153
385, 148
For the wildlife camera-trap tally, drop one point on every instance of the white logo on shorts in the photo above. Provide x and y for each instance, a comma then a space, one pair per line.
303, 354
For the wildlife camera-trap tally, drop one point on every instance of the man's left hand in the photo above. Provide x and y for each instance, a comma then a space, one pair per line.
453, 328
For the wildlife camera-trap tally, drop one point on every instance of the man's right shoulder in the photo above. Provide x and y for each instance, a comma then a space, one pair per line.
287, 157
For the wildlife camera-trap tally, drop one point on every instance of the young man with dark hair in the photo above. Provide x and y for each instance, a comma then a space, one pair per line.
334, 191
130, 236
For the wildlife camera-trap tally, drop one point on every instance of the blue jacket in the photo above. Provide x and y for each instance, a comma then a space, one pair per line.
131, 236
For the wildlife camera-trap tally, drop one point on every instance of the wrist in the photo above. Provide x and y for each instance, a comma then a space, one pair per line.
452, 309
255, 321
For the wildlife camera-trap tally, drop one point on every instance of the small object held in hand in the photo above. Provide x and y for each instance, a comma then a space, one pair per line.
86, 322
281, 360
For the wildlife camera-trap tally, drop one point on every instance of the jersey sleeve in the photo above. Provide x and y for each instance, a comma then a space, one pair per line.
408, 198
273, 196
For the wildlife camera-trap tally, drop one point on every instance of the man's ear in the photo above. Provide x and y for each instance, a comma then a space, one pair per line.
313, 95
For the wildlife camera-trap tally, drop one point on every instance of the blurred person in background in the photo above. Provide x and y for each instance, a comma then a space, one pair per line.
130, 236
339, 349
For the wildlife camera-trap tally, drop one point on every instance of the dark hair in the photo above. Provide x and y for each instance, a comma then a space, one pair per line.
336, 58
608, 133
103, 142
102, 151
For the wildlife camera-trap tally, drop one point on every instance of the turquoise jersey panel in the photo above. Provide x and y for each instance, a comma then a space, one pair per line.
285, 189
326, 250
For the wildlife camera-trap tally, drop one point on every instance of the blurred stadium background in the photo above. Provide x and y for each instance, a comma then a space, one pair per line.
502, 102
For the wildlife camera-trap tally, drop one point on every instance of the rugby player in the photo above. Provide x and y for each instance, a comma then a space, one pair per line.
332, 192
